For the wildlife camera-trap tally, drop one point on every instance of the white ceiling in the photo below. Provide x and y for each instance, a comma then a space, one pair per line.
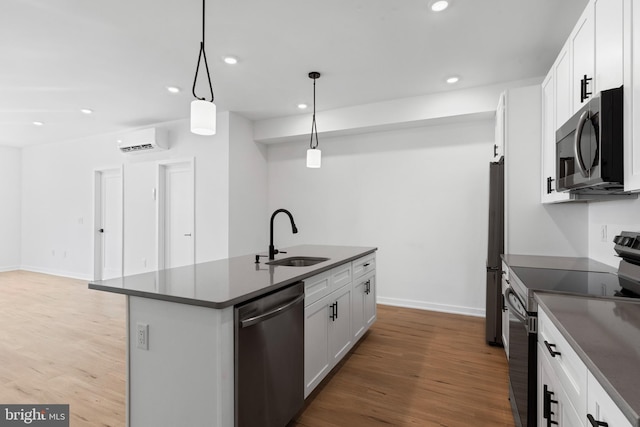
117, 56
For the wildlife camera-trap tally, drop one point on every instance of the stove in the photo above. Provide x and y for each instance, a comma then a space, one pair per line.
519, 297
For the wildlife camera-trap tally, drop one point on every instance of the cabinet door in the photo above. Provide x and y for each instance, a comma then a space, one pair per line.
548, 154
601, 407
554, 406
370, 310
357, 307
563, 87
317, 362
583, 54
340, 336
609, 44
632, 96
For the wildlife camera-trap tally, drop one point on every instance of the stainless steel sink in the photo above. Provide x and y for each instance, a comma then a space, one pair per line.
298, 261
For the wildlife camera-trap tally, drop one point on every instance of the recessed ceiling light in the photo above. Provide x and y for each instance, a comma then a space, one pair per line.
86, 111
231, 60
173, 89
36, 123
439, 5
302, 106
453, 79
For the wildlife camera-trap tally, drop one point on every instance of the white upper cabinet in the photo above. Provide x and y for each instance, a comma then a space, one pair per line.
609, 44
583, 58
548, 155
632, 95
562, 88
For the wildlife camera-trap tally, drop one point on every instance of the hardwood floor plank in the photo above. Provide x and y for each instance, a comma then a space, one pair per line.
63, 343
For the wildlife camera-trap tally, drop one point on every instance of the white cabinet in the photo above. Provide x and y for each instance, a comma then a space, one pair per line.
568, 394
562, 88
554, 405
601, 408
364, 304
548, 154
609, 44
327, 335
632, 96
317, 363
339, 308
340, 337
583, 58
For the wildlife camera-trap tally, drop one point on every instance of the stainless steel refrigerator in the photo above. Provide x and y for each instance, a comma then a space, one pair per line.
495, 249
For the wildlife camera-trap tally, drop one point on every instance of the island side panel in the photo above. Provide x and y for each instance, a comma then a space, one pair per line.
186, 376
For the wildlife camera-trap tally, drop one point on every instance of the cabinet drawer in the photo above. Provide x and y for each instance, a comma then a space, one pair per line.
316, 287
364, 265
571, 371
340, 276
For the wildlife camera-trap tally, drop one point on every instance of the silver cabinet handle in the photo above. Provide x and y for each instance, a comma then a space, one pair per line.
188, 234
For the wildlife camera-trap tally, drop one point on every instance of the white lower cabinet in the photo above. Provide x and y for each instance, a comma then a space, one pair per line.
364, 304
601, 408
568, 394
337, 313
554, 405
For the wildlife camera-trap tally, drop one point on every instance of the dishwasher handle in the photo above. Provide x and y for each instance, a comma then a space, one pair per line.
268, 315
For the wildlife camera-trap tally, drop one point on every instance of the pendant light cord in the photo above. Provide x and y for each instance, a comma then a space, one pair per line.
314, 128
202, 55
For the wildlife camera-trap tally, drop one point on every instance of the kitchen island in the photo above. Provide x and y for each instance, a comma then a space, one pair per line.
180, 330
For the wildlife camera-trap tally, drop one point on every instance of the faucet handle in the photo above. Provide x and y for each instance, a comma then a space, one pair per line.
280, 252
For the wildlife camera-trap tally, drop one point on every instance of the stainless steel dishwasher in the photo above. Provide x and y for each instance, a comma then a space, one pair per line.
269, 358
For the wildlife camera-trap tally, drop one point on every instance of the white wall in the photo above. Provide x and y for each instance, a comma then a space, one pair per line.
420, 195
534, 228
248, 216
617, 216
10, 178
57, 199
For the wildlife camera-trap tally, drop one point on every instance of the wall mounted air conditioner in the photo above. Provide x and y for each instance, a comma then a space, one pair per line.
143, 141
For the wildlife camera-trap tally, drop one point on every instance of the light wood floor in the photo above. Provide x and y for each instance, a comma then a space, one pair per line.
63, 343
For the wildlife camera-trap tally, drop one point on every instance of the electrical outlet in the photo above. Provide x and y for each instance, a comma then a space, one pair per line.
603, 233
142, 336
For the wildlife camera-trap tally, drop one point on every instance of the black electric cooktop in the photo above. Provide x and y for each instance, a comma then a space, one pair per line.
572, 281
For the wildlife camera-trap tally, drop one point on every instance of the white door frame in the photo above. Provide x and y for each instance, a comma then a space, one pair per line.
160, 206
97, 219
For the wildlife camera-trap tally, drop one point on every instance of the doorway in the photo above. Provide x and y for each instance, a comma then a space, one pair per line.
108, 230
176, 233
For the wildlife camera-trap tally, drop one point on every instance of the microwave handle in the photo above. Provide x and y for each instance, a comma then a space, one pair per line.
576, 143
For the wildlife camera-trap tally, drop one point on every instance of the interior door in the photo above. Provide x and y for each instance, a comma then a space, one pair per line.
108, 224
177, 215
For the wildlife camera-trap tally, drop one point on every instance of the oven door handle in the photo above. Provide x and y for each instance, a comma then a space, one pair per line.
576, 143
514, 310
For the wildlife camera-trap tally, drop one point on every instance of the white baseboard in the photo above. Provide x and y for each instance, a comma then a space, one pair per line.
9, 268
53, 272
423, 305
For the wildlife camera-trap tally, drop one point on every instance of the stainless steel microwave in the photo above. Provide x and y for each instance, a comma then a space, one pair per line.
589, 147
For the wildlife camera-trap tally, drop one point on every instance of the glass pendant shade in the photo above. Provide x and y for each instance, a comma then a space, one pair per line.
203, 117
314, 158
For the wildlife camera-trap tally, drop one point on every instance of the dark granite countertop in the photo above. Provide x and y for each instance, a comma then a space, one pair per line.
557, 263
605, 333
231, 281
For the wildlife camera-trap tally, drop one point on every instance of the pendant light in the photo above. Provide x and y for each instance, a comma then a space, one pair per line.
313, 154
203, 112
